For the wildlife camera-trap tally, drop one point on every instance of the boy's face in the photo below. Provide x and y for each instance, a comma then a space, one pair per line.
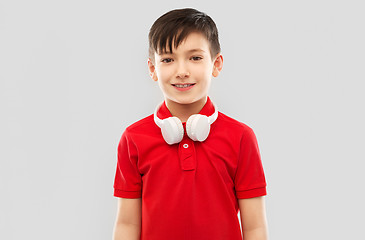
190, 63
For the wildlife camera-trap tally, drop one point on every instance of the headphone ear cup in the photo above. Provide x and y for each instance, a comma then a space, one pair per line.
189, 130
198, 127
172, 130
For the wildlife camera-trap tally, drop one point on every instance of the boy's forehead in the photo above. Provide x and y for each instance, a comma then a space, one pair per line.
194, 42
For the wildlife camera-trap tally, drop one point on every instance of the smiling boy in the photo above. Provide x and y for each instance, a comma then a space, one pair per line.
185, 171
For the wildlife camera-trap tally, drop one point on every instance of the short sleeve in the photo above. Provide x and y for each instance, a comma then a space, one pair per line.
128, 180
250, 178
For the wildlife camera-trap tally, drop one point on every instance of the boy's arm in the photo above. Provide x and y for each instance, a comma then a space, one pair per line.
253, 218
129, 219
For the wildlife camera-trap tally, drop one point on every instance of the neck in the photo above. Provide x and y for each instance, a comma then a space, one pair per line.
184, 111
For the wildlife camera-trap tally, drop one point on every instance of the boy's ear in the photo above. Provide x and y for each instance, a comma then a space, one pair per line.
152, 69
218, 65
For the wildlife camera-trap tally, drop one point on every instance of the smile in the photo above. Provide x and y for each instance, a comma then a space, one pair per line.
183, 87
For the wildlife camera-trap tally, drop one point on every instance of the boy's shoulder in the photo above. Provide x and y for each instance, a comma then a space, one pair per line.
142, 124
234, 126
232, 121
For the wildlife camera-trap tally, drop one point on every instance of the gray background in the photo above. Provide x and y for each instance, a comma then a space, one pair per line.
74, 75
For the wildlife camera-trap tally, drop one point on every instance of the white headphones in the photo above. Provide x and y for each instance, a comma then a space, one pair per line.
197, 126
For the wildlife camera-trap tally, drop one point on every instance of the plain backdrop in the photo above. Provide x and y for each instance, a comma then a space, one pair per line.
74, 76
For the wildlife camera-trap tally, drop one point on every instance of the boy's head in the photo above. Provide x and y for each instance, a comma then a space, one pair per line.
169, 30
184, 54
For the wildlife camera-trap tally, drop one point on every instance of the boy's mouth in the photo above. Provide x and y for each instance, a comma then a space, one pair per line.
183, 85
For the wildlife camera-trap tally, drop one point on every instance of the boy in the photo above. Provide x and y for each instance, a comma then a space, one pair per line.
184, 171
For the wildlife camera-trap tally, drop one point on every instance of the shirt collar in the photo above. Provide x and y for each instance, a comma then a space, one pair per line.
207, 110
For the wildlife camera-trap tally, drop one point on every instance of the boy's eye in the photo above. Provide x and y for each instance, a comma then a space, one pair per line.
196, 58
166, 60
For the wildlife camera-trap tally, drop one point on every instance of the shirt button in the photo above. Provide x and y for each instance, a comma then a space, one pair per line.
185, 145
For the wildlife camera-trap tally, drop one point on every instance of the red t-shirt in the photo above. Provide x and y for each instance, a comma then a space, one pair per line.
190, 189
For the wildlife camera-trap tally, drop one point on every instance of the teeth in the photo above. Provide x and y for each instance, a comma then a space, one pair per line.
183, 86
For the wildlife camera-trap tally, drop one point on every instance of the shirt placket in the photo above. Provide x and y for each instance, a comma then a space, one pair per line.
187, 153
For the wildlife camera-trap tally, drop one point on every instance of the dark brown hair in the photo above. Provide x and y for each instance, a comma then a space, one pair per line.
176, 25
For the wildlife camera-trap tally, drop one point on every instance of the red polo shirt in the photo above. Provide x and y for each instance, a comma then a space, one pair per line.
190, 189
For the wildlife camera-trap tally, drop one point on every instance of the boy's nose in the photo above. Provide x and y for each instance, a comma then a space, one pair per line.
182, 71
183, 74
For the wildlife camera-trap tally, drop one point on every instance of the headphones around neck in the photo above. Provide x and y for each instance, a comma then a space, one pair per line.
197, 126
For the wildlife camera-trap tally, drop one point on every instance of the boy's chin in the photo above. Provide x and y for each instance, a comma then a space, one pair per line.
185, 100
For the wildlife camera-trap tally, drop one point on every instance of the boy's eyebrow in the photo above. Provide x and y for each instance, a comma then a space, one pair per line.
196, 50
